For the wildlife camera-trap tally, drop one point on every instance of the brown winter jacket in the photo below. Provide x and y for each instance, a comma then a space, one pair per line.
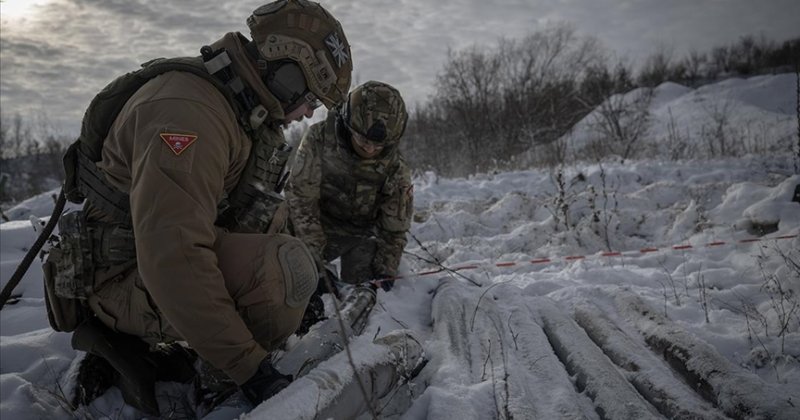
174, 192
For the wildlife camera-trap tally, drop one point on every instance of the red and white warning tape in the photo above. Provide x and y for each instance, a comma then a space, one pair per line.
572, 258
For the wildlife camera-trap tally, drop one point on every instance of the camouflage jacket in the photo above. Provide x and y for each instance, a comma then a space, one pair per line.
333, 190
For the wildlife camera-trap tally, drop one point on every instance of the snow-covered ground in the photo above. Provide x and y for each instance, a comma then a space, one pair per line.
592, 244
509, 218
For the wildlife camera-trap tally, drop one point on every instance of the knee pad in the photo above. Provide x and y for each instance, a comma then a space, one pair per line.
271, 278
299, 272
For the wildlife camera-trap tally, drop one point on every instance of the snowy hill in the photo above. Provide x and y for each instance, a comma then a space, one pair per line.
649, 289
732, 117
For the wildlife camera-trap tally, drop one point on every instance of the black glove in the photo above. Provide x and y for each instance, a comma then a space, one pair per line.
315, 312
265, 383
387, 283
327, 282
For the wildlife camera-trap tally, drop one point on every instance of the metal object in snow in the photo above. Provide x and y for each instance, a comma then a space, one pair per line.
324, 339
383, 366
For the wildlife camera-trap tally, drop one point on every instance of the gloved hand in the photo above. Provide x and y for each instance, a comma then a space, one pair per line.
265, 383
327, 282
387, 283
315, 312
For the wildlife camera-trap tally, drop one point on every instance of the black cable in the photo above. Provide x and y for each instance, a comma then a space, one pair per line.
437, 262
23, 266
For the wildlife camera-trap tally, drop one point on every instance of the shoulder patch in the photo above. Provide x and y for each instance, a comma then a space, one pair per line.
178, 142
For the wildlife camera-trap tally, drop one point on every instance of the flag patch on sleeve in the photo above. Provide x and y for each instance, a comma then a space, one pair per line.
178, 142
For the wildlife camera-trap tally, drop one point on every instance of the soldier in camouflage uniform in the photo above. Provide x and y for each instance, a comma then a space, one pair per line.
166, 233
350, 194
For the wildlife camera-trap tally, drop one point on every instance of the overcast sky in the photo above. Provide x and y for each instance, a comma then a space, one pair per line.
56, 54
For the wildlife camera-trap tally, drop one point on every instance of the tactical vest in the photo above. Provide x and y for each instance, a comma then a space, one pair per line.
351, 186
249, 208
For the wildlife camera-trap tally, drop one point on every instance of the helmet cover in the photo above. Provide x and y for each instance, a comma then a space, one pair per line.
303, 31
377, 111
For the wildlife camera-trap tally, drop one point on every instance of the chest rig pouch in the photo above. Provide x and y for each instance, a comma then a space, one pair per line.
69, 270
252, 206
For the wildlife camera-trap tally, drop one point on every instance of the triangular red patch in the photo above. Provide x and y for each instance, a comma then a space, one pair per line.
178, 142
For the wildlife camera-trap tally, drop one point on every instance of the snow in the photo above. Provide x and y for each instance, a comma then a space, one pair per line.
751, 112
488, 326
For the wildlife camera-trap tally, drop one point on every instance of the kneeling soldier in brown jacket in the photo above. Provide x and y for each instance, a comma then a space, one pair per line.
181, 165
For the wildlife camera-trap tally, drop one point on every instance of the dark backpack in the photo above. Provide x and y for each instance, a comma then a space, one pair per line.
82, 179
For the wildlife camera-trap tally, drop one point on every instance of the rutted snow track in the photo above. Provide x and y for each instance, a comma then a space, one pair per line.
587, 365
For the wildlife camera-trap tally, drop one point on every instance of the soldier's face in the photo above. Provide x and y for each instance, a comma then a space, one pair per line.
305, 110
364, 147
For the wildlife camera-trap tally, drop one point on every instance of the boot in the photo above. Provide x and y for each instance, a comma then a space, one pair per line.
174, 363
211, 387
128, 356
95, 376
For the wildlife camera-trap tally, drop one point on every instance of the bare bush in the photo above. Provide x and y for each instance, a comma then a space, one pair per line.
784, 302
677, 143
718, 136
702, 294
609, 214
548, 154
622, 121
562, 203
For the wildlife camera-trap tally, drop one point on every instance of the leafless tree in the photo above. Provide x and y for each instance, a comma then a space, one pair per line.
494, 103
622, 121
657, 68
468, 89
694, 64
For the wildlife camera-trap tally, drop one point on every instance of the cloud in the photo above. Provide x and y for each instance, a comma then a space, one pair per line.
56, 59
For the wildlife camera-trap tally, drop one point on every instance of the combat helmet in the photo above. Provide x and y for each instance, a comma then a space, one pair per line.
376, 111
291, 33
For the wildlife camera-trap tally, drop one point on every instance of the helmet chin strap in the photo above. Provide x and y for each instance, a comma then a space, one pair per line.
361, 152
218, 63
346, 111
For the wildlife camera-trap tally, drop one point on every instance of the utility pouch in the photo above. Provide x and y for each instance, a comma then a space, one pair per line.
69, 268
256, 199
71, 258
258, 215
64, 314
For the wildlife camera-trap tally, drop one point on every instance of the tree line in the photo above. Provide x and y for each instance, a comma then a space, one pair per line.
491, 105
30, 157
